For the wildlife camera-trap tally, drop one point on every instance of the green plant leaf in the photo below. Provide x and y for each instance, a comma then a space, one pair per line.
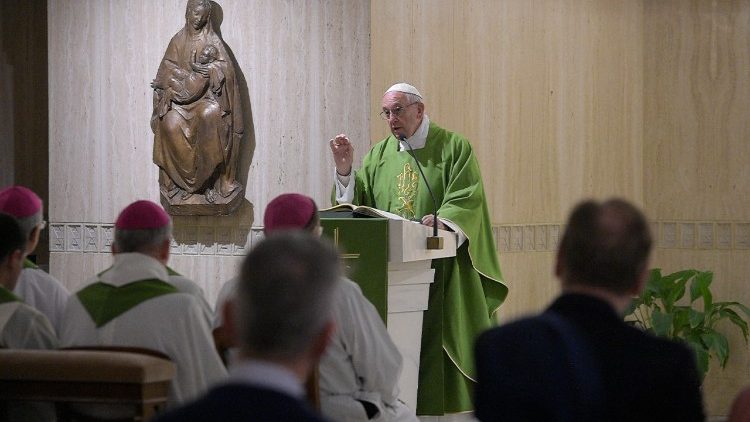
680, 321
672, 287
699, 287
736, 319
717, 343
650, 291
738, 305
701, 357
661, 323
697, 318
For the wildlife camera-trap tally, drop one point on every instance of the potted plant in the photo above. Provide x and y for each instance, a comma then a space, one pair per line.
661, 310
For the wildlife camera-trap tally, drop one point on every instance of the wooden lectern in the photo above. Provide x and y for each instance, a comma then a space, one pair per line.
390, 261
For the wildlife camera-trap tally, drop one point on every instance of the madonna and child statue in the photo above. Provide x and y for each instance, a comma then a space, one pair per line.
197, 120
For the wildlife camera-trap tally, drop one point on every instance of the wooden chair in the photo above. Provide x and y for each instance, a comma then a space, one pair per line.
122, 377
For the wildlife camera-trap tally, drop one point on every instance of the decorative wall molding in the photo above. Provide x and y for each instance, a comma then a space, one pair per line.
702, 235
668, 234
527, 237
509, 238
189, 240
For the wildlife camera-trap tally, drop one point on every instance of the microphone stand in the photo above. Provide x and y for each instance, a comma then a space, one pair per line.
434, 241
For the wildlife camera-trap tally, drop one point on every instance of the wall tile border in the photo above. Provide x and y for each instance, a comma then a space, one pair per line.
667, 234
89, 238
509, 238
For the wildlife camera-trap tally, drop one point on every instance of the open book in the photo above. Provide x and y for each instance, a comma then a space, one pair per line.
363, 210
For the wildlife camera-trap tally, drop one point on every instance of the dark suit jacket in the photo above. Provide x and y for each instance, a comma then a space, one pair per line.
242, 402
525, 373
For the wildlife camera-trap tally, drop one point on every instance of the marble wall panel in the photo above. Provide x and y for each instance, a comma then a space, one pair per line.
306, 71
548, 92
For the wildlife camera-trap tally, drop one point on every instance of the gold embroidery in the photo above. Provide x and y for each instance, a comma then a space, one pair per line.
406, 189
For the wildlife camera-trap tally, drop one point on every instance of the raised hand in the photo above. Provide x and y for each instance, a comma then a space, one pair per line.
343, 154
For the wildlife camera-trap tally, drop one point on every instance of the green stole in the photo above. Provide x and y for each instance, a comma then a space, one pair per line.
468, 288
28, 264
105, 302
8, 296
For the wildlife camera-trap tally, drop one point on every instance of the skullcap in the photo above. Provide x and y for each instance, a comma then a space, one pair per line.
288, 211
142, 215
20, 202
404, 87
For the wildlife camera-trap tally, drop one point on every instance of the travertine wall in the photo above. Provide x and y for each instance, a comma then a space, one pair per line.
561, 99
696, 146
307, 74
549, 93
570, 99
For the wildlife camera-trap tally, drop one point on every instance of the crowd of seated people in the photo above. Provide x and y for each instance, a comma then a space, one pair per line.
291, 311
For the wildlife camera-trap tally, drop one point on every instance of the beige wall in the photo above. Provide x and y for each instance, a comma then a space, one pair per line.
696, 148
549, 93
569, 99
562, 99
307, 71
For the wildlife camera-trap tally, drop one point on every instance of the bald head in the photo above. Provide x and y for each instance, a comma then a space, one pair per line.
605, 245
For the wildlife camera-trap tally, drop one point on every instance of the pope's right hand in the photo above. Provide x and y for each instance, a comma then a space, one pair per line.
343, 154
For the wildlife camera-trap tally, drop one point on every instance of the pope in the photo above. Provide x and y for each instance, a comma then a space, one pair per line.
469, 287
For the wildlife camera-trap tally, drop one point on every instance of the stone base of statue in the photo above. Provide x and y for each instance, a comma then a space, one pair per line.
198, 204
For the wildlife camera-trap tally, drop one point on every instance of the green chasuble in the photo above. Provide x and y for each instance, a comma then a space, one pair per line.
8, 296
469, 288
105, 302
28, 264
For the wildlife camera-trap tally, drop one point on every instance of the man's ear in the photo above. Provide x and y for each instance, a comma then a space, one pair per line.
164, 251
33, 239
323, 339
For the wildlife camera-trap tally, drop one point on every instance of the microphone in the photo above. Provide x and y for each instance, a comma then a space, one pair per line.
434, 241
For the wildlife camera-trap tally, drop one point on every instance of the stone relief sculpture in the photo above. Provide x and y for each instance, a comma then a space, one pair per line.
197, 120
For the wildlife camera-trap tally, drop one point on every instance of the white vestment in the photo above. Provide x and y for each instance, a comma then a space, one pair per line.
227, 291
23, 327
361, 363
42, 292
185, 285
174, 324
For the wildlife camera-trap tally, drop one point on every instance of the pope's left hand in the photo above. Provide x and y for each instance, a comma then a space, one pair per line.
428, 219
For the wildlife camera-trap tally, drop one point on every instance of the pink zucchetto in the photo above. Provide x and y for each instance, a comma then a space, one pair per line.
20, 202
142, 215
288, 211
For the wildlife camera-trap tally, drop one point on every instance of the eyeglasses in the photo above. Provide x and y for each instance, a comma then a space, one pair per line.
396, 111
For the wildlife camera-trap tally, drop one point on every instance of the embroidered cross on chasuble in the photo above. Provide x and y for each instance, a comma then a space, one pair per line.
407, 183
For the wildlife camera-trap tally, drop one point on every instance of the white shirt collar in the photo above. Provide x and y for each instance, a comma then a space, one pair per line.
419, 139
134, 266
267, 375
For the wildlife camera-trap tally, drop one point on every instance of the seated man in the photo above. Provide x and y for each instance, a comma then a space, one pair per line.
281, 319
35, 287
359, 372
133, 303
21, 326
579, 361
